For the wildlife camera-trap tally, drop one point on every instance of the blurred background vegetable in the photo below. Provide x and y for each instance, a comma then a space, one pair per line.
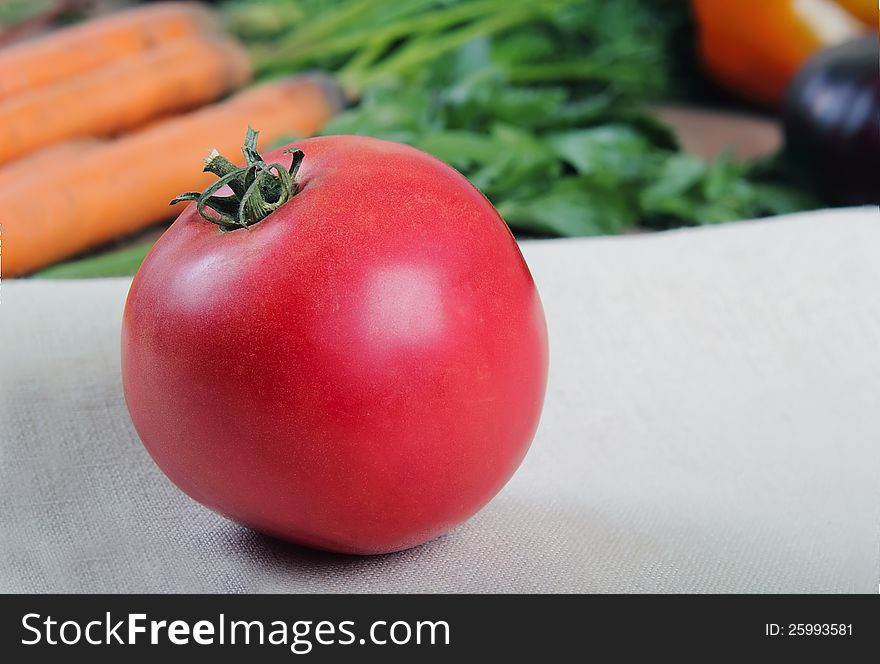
112, 264
831, 121
864, 10
754, 49
542, 105
559, 111
98, 43
124, 185
21, 18
181, 75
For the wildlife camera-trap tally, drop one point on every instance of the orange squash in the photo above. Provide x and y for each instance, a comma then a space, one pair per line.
754, 47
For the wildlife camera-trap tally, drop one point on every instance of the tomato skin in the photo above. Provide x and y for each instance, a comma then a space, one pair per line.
359, 372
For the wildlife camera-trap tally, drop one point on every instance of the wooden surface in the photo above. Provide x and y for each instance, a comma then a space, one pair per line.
707, 132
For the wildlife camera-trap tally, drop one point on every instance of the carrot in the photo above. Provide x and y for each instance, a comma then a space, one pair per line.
34, 164
178, 76
126, 184
98, 42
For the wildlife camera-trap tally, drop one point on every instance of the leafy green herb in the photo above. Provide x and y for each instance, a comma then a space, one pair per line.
540, 105
117, 263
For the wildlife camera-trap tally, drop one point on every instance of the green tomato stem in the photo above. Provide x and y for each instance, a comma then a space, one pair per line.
258, 188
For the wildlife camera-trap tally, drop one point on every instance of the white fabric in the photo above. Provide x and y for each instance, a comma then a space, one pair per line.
712, 425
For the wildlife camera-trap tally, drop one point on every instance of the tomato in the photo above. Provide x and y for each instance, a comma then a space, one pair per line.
359, 371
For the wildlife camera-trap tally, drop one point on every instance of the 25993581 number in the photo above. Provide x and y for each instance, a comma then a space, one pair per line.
808, 629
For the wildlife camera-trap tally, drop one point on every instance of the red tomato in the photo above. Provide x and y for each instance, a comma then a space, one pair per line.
360, 371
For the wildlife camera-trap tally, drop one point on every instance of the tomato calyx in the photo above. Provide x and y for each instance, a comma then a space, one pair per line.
258, 188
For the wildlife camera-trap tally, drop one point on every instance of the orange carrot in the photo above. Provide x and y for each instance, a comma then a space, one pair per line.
81, 48
126, 184
34, 164
181, 75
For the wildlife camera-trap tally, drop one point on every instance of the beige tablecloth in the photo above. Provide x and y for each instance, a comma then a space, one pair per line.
712, 425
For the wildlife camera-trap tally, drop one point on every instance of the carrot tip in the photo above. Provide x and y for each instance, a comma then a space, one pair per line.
333, 91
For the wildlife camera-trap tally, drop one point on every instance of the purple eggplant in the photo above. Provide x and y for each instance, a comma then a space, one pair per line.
832, 121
